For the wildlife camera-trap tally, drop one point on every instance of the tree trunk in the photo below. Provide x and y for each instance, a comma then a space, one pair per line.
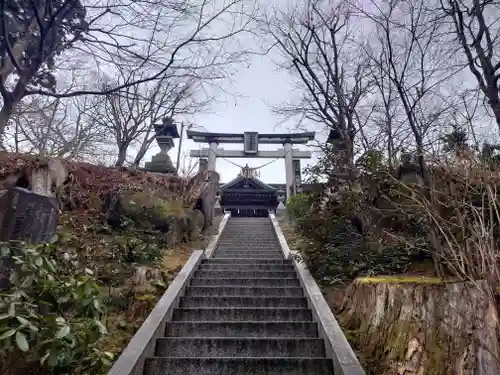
426, 328
5, 114
495, 106
140, 154
122, 156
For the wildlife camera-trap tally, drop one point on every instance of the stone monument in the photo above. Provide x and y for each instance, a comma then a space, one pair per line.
165, 132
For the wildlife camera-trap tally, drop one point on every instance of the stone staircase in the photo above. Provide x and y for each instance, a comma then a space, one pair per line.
243, 313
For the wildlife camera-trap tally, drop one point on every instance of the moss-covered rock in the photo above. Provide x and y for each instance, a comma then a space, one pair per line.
147, 210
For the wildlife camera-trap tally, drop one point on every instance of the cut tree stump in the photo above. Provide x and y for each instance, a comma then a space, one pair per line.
423, 327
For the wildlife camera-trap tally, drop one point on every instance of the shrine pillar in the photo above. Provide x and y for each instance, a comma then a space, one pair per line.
289, 170
212, 155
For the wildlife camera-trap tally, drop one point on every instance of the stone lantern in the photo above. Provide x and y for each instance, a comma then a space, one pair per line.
281, 209
165, 133
339, 149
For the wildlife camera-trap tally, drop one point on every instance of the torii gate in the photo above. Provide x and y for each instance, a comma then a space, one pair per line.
251, 141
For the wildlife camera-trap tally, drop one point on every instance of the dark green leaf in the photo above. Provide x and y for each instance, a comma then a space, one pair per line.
4, 251
22, 320
7, 334
21, 341
63, 332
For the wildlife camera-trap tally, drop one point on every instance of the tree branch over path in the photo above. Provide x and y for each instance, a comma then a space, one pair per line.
154, 38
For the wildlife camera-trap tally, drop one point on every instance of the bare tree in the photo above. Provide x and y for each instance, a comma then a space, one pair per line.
388, 129
410, 50
56, 128
155, 37
129, 115
318, 48
477, 32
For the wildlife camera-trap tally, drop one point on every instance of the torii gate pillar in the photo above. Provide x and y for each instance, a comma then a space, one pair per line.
290, 178
212, 154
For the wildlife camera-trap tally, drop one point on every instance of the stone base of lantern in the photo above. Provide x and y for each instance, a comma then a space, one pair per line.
218, 209
280, 210
160, 163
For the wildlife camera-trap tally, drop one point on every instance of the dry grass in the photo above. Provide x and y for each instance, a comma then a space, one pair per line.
174, 259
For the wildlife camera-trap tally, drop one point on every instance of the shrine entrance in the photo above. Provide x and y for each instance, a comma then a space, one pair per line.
247, 195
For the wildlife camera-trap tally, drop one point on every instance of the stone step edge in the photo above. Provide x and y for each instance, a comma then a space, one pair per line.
238, 338
240, 322
244, 287
243, 278
232, 296
223, 359
245, 308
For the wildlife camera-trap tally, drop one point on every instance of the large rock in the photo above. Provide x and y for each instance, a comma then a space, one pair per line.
423, 326
150, 212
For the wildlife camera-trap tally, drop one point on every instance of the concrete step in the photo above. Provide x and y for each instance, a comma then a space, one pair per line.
237, 314
249, 251
236, 250
242, 241
246, 261
250, 243
210, 291
243, 313
250, 267
262, 239
248, 231
241, 329
228, 274
232, 255
275, 281
237, 366
238, 347
239, 301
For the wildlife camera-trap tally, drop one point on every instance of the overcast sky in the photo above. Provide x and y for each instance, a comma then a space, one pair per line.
258, 84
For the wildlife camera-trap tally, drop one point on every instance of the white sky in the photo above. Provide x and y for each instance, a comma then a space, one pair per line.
257, 84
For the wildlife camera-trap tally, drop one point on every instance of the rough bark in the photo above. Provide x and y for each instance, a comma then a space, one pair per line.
5, 114
423, 328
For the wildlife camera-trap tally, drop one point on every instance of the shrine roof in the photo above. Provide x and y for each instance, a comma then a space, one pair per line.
244, 183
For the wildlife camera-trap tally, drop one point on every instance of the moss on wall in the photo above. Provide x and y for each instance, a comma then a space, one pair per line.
402, 280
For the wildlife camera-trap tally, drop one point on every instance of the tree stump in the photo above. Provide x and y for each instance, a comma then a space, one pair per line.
423, 328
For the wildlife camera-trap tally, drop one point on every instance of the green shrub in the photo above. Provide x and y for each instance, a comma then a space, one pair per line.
52, 314
298, 206
338, 253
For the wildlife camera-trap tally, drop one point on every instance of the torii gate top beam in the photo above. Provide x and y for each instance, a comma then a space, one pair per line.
293, 138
